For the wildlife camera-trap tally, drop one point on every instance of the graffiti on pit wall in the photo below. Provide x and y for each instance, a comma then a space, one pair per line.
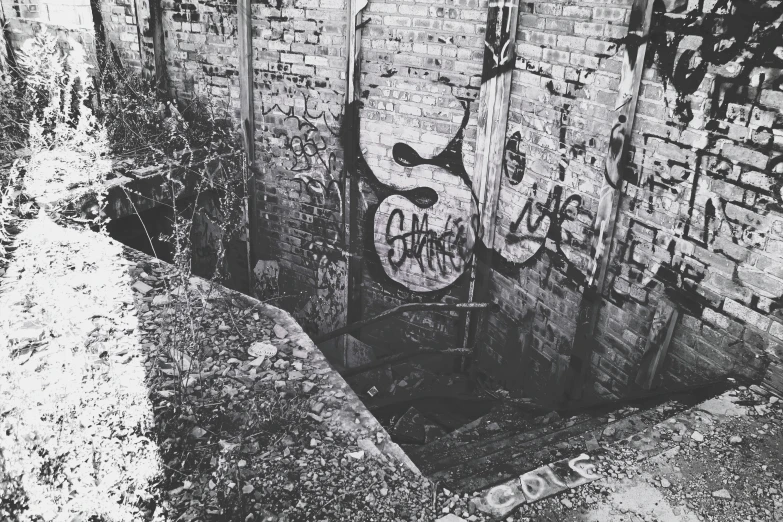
733, 41
440, 252
500, 54
724, 188
308, 139
548, 220
421, 241
538, 484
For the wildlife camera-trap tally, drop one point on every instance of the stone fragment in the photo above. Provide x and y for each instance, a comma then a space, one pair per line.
258, 361
29, 331
451, 517
735, 439
299, 354
279, 331
698, 437
142, 287
358, 455
370, 448
160, 300
722, 493
261, 349
308, 386
665, 483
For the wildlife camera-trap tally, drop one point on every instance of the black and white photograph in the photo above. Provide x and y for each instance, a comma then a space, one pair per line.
391, 261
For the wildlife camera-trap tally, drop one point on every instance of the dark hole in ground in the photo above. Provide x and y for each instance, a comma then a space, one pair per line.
147, 232
425, 419
436, 408
143, 232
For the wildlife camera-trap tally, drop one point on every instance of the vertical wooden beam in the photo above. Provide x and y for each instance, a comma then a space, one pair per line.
3, 41
609, 202
625, 112
247, 117
139, 34
350, 150
159, 44
658, 341
245, 37
494, 97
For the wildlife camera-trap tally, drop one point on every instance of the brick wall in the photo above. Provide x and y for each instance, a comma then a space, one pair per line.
563, 91
70, 20
702, 223
699, 227
124, 21
421, 75
65, 13
701, 217
299, 67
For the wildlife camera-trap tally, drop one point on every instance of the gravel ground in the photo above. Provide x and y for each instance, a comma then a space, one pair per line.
75, 420
125, 397
720, 461
130, 393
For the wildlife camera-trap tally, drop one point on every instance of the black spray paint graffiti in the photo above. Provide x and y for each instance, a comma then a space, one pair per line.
648, 257
500, 55
312, 156
723, 196
686, 46
426, 252
515, 160
442, 252
309, 140
541, 228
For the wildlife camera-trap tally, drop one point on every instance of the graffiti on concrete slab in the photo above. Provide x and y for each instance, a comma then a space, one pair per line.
538, 484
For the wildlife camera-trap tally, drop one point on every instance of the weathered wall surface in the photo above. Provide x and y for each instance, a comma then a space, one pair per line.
421, 74
702, 222
66, 13
125, 23
70, 20
699, 229
299, 69
563, 91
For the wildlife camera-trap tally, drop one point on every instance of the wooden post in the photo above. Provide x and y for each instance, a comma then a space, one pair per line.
3, 41
247, 116
159, 44
351, 145
627, 97
494, 98
658, 341
609, 202
140, 35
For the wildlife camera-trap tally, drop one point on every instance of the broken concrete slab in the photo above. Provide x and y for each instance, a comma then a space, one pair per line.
537, 484
142, 287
